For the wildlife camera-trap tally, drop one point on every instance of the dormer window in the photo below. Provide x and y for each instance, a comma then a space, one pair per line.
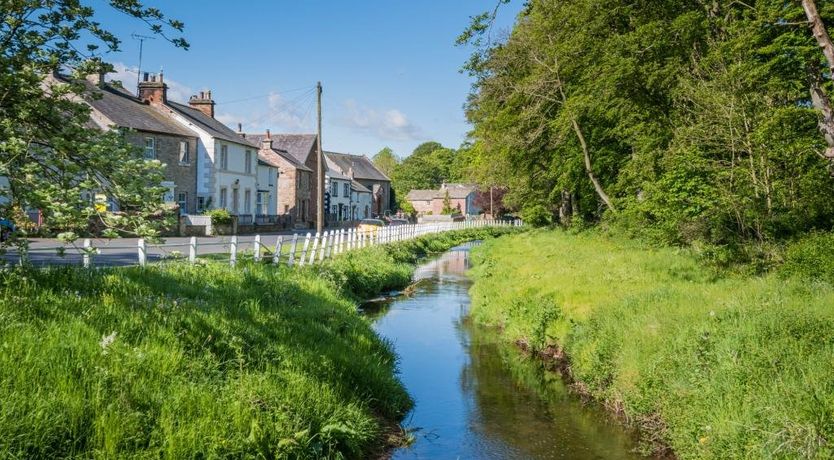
150, 148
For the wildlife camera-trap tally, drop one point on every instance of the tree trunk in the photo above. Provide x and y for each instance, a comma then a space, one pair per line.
589, 169
565, 209
818, 97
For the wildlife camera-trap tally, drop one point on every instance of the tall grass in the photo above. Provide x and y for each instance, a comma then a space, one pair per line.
729, 367
206, 361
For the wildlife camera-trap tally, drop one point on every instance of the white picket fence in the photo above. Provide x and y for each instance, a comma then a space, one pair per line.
292, 250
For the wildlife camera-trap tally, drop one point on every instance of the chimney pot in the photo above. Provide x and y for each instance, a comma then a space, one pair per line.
268, 134
240, 127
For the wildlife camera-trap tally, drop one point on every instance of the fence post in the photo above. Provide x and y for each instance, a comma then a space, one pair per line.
143, 254
302, 260
291, 260
338, 249
315, 247
233, 251
331, 240
256, 249
192, 249
86, 256
351, 236
276, 256
324, 240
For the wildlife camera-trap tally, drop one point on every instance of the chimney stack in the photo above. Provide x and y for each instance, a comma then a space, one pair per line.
203, 103
266, 143
153, 91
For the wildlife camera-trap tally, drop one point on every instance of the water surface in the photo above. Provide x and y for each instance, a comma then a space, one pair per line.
476, 398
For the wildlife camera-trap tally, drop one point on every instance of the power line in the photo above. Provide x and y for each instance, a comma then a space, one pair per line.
261, 96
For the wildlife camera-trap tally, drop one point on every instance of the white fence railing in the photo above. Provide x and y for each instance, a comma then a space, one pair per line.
292, 250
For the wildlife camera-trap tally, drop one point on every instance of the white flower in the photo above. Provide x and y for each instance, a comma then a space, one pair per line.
106, 340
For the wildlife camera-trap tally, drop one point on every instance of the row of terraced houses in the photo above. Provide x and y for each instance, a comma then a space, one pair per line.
258, 177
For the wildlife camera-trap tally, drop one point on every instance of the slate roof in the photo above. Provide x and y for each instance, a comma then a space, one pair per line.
257, 139
127, 111
456, 191
209, 124
363, 167
421, 195
297, 145
359, 187
333, 171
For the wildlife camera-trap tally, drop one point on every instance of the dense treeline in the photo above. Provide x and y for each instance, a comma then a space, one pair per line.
679, 120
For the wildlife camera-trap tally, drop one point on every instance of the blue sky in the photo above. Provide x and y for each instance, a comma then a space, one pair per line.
389, 68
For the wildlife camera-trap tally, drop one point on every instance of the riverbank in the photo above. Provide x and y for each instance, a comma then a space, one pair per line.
183, 361
709, 366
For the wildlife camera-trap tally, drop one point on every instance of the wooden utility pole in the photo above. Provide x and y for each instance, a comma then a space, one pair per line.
320, 166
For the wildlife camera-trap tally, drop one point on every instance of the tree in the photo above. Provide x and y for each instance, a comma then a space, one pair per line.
50, 156
447, 204
386, 161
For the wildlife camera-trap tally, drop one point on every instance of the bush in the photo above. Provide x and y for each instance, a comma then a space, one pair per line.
537, 216
219, 217
811, 257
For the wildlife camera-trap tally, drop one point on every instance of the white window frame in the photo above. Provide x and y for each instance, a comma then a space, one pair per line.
346, 189
182, 200
185, 153
150, 148
334, 189
224, 157
223, 201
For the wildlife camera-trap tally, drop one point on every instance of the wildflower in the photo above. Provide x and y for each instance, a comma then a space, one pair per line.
107, 340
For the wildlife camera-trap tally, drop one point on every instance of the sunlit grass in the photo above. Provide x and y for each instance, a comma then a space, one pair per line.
201, 361
734, 366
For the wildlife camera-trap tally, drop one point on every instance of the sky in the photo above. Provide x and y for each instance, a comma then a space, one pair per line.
389, 69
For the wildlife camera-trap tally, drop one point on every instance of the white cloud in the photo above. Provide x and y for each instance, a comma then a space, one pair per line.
295, 115
388, 124
127, 75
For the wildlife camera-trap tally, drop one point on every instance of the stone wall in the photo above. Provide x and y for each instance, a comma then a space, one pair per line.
183, 175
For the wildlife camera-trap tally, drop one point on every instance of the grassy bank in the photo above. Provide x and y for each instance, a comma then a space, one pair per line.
715, 367
206, 361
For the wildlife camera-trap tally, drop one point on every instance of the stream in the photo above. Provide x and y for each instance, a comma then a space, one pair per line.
476, 398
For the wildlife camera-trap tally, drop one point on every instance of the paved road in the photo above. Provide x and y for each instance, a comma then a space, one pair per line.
124, 251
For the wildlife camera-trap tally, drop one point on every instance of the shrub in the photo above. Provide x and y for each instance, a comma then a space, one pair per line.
811, 257
219, 216
537, 216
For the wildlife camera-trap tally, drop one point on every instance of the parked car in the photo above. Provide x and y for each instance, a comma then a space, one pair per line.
370, 226
6, 229
398, 221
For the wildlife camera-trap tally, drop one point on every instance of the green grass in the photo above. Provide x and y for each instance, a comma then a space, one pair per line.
201, 361
715, 367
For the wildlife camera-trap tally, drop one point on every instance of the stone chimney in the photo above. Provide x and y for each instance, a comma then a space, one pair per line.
203, 102
266, 143
96, 78
152, 89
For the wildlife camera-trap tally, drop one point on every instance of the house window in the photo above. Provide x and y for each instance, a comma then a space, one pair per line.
184, 153
247, 201
334, 189
260, 204
150, 148
201, 203
248, 166
223, 199
235, 201
286, 209
335, 210
347, 189
182, 201
224, 157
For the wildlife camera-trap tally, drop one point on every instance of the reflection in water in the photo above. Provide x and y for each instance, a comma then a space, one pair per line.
477, 398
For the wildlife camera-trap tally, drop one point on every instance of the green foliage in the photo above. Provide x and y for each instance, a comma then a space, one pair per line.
812, 257
713, 367
386, 161
537, 215
698, 121
219, 216
53, 160
447, 204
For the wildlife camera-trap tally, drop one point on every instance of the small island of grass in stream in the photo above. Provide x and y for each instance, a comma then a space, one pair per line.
710, 366
206, 361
